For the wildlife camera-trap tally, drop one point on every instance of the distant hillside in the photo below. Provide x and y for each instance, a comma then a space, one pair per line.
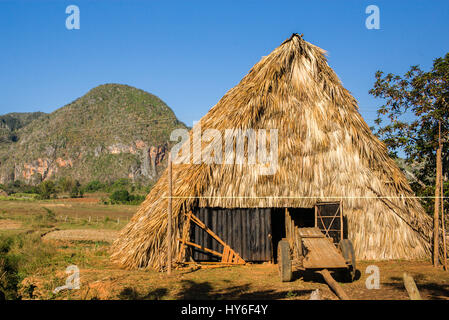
114, 131
11, 122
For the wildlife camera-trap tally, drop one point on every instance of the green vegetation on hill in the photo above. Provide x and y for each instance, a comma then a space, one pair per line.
104, 135
11, 122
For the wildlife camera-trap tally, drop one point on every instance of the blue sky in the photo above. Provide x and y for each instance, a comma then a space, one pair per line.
191, 53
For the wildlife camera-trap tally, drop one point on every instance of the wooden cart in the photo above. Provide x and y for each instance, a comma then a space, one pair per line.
321, 247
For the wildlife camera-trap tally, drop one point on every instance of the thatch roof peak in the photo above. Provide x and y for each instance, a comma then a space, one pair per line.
294, 36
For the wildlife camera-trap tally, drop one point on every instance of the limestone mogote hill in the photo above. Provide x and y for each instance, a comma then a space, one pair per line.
114, 131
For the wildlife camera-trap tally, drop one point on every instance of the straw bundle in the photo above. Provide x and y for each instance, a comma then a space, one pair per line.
326, 152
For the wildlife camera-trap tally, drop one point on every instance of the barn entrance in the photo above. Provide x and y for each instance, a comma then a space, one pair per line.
253, 234
284, 220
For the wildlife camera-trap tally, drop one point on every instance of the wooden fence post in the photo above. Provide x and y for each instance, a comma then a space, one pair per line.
436, 214
169, 215
443, 227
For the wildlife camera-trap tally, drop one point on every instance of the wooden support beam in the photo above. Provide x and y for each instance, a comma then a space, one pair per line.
443, 227
169, 215
185, 234
205, 228
208, 262
210, 265
228, 254
341, 221
334, 284
436, 214
411, 288
202, 248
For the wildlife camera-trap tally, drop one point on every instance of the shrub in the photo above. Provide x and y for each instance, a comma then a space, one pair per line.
121, 184
124, 197
136, 199
19, 187
47, 189
77, 191
65, 184
9, 270
21, 255
93, 186
71, 186
120, 196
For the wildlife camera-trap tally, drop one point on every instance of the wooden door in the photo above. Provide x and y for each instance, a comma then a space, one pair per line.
247, 231
329, 219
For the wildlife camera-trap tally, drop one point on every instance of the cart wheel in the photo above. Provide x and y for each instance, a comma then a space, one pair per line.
284, 261
347, 250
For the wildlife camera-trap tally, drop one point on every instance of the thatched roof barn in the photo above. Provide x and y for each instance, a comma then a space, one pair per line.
326, 152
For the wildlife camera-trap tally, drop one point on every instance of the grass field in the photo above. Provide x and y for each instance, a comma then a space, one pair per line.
67, 213
48, 236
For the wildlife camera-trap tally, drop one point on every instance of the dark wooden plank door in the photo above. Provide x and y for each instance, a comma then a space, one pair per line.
246, 231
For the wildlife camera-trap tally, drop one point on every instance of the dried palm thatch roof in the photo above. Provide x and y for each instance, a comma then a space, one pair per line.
326, 152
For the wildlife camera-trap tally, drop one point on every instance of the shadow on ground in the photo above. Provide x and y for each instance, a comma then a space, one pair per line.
132, 294
192, 290
428, 290
314, 276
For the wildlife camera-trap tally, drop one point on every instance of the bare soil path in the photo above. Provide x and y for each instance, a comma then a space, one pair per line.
7, 224
83, 234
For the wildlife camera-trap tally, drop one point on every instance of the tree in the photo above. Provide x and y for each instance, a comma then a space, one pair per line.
76, 190
65, 184
413, 106
93, 186
70, 186
120, 196
47, 189
416, 108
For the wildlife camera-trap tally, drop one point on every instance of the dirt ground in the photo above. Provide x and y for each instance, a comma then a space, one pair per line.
100, 279
7, 224
82, 200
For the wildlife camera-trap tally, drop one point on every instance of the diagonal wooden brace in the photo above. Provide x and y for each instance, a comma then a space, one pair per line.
228, 255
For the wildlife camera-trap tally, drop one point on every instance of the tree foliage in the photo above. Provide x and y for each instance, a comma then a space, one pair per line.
409, 119
47, 189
